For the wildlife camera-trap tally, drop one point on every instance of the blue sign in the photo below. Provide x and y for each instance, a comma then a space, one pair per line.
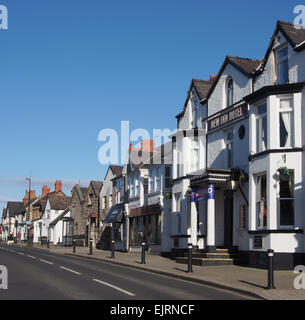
203, 194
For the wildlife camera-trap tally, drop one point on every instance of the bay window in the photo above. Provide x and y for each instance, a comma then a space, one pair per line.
286, 123
261, 200
287, 200
261, 128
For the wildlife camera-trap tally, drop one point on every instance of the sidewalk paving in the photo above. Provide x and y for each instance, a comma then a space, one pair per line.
244, 280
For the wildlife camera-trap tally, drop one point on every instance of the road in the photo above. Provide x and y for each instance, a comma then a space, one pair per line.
37, 275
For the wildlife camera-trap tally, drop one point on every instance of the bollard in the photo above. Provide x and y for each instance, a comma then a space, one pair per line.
143, 253
190, 253
270, 253
112, 249
74, 246
90, 252
48, 244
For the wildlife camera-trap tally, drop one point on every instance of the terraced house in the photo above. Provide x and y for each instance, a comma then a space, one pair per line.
241, 192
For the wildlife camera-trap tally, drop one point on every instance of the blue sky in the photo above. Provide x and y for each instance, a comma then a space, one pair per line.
71, 68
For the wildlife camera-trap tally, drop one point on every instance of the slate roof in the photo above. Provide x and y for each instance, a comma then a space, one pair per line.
54, 222
244, 64
296, 36
4, 213
14, 207
59, 203
96, 186
202, 88
163, 153
117, 170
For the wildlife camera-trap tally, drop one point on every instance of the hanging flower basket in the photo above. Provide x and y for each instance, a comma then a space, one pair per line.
284, 173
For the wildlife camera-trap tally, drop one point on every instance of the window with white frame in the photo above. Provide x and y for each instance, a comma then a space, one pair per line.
178, 210
261, 200
229, 92
261, 128
195, 112
282, 69
158, 179
286, 123
229, 148
152, 178
195, 154
138, 185
287, 200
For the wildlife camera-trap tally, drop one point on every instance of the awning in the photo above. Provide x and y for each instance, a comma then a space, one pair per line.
115, 214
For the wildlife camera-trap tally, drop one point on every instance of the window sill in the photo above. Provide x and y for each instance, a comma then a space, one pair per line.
266, 231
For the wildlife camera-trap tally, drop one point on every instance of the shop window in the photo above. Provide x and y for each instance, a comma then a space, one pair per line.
261, 128
287, 200
282, 69
261, 201
286, 123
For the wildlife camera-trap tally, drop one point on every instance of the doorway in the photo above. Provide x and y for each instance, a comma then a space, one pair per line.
228, 223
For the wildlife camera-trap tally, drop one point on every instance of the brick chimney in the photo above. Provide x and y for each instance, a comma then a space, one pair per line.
212, 77
147, 145
45, 190
26, 197
58, 186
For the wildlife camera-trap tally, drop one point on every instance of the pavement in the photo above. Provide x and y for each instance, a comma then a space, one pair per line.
243, 280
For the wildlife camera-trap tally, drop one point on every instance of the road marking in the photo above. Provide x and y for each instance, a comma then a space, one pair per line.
70, 270
22, 254
31, 256
46, 261
114, 287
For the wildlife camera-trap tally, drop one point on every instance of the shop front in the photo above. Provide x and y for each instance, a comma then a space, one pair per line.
145, 226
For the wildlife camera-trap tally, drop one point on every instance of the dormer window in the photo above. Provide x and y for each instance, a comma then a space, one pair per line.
229, 92
282, 69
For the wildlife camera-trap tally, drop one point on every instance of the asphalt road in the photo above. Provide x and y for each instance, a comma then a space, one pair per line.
37, 275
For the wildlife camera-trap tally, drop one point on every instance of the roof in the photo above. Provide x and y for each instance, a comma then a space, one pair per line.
96, 186
163, 155
60, 216
4, 213
244, 65
201, 87
296, 36
14, 207
117, 170
59, 203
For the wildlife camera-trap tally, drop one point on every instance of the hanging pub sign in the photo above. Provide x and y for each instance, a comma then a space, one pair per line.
228, 117
202, 194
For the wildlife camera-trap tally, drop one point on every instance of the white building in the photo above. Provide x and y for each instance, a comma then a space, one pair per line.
248, 139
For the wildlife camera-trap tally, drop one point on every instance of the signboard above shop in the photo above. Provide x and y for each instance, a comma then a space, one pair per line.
228, 117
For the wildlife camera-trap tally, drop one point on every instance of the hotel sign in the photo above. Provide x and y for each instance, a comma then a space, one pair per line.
228, 117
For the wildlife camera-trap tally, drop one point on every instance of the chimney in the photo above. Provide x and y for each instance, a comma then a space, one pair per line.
26, 197
45, 190
212, 77
147, 145
58, 186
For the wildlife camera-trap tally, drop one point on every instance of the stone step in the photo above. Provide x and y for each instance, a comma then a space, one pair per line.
205, 261
216, 255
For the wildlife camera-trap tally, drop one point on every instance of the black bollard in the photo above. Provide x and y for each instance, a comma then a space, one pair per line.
112, 249
190, 253
143, 253
74, 246
90, 245
270, 253
48, 243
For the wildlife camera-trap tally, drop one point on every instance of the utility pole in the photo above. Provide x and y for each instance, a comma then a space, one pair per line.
28, 214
